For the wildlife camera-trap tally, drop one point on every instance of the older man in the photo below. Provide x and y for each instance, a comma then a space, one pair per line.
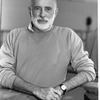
35, 59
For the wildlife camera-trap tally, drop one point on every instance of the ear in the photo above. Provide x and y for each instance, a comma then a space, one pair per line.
29, 9
56, 12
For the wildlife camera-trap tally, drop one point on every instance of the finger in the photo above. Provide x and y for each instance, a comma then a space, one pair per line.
51, 97
55, 95
57, 92
40, 95
48, 98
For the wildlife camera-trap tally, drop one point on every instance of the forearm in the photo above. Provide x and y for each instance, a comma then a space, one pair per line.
77, 80
23, 86
38, 92
10, 80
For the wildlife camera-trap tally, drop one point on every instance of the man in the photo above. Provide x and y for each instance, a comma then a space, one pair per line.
34, 60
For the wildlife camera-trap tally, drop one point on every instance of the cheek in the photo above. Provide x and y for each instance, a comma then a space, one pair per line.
36, 14
50, 15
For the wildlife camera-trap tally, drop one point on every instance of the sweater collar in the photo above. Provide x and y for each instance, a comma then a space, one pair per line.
30, 27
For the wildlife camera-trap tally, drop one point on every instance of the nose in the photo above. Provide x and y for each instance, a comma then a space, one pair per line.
42, 13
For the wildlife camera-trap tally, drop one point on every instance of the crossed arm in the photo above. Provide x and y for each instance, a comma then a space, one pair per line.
9, 79
49, 93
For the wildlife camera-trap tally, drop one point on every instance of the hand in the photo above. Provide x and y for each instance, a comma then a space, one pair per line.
59, 89
47, 93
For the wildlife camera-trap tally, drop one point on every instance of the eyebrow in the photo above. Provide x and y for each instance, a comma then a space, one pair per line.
45, 7
48, 7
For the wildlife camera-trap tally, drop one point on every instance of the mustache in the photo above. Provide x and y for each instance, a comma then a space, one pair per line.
43, 19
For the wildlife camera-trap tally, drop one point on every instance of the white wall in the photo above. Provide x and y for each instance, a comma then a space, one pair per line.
74, 14
15, 13
71, 14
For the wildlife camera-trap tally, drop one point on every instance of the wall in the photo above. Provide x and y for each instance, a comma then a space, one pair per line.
15, 13
74, 14
71, 14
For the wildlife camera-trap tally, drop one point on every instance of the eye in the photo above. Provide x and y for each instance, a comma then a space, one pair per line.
48, 8
37, 8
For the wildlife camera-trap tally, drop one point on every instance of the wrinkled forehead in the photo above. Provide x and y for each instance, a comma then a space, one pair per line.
51, 3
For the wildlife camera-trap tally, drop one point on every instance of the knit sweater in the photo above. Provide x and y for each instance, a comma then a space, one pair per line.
42, 61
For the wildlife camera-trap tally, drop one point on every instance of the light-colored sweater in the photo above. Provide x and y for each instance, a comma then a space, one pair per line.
42, 62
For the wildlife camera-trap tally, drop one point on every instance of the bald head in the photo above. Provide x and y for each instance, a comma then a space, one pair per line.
32, 3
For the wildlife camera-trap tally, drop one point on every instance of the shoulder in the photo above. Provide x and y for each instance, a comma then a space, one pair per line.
62, 29
65, 32
67, 35
15, 33
18, 31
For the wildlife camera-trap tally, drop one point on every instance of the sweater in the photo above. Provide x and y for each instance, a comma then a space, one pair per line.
42, 59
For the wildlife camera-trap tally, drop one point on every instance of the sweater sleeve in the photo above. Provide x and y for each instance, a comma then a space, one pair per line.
7, 61
79, 59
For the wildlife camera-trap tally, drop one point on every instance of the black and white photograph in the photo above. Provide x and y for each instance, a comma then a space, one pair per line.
49, 50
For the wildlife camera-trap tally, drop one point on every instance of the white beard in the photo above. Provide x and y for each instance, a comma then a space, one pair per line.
44, 27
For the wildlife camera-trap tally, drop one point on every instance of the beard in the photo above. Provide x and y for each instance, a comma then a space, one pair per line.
43, 24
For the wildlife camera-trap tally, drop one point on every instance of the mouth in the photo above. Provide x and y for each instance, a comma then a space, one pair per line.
41, 21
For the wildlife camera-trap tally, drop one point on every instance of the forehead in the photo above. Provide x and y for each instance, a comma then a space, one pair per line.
50, 3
